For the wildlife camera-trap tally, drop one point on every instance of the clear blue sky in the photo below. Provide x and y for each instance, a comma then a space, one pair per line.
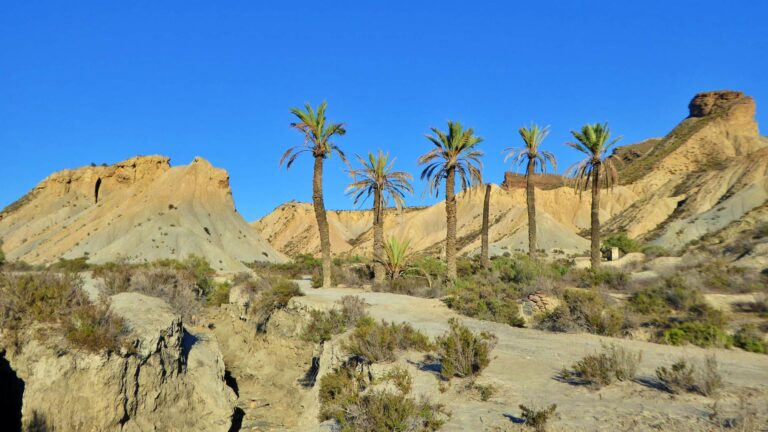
84, 82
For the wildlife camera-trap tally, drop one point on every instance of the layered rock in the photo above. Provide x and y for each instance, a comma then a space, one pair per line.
173, 382
140, 209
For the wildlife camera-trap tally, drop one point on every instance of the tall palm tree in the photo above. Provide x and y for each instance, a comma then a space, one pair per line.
455, 152
377, 178
318, 135
485, 252
533, 157
594, 140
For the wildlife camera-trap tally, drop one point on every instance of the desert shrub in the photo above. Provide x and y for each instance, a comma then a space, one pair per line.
678, 378
94, 328
271, 299
116, 275
602, 368
463, 353
683, 376
497, 302
415, 284
718, 276
621, 241
2, 254
654, 251
343, 397
486, 391
177, 287
696, 333
220, 294
521, 269
323, 325
749, 338
584, 311
74, 265
349, 275
375, 342
400, 377
537, 418
57, 299
42, 297
602, 277
301, 265
671, 293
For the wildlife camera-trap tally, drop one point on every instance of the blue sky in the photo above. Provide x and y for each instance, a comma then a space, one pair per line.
84, 82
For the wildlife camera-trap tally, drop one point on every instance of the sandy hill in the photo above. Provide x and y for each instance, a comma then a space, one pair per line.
141, 209
709, 172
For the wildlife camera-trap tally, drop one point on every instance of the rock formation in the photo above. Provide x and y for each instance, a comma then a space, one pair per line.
174, 381
141, 209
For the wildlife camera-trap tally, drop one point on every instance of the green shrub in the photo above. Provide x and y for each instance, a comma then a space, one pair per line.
696, 333
621, 241
220, 294
94, 328
74, 265
274, 298
376, 342
584, 311
537, 418
323, 325
602, 368
672, 293
602, 277
749, 338
496, 303
463, 353
343, 397
400, 377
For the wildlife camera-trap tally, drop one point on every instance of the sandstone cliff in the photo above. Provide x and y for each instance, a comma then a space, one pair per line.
141, 209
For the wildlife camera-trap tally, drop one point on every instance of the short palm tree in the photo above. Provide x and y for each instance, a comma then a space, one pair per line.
318, 135
533, 158
396, 258
455, 153
596, 170
377, 178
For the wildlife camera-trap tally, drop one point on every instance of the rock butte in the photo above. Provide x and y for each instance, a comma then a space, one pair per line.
140, 209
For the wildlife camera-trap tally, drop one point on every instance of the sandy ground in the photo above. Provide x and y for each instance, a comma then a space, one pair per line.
525, 364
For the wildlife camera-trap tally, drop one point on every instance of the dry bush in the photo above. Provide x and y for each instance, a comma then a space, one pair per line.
376, 342
94, 328
463, 353
345, 396
537, 418
177, 287
588, 311
678, 378
352, 308
275, 297
323, 325
602, 368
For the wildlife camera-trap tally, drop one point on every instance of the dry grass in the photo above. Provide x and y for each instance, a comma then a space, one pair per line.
612, 363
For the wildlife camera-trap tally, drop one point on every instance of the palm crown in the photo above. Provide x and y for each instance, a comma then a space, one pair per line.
594, 141
318, 134
456, 149
532, 137
377, 174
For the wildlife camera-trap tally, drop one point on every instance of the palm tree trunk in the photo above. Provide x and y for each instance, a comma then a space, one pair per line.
322, 220
531, 202
450, 215
485, 255
378, 237
595, 232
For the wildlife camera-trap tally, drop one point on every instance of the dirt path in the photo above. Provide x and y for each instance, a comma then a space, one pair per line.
526, 362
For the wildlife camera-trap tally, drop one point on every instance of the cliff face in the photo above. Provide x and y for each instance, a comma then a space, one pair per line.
140, 209
708, 172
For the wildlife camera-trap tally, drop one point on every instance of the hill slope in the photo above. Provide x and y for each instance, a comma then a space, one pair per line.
141, 209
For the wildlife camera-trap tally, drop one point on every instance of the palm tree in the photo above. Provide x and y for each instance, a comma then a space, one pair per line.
533, 157
455, 152
377, 178
318, 135
594, 141
485, 253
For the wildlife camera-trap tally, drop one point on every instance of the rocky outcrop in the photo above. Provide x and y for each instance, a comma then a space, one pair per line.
540, 181
707, 103
139, 209
171, 381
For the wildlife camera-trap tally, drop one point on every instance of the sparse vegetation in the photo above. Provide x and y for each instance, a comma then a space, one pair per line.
374, 342
537, 418
463, 353
621, 241
584, 311
346, 395
275, 297
683, 376
612, 363
749, 338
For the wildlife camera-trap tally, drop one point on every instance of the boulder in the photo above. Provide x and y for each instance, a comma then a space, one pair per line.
171, 381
